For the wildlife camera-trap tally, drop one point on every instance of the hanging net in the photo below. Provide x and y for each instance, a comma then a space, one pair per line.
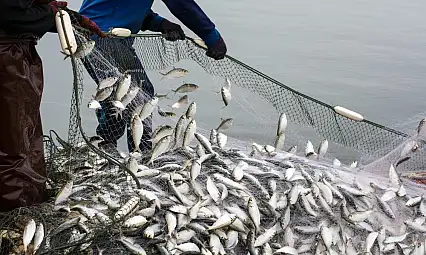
216, 185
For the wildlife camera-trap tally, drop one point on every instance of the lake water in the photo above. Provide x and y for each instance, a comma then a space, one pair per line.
368, 56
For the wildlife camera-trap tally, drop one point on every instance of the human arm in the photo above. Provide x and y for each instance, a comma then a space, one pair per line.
193, 17
23, 16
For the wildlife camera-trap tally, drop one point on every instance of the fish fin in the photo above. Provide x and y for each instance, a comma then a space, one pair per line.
401, 161
310, 154
223, 107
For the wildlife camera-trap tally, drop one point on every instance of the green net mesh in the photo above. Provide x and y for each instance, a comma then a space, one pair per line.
161, 207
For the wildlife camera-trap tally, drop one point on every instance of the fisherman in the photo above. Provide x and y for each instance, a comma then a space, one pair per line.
137, 16
22, 165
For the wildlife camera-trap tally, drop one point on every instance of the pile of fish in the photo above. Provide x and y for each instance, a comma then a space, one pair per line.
193, 195
207, 199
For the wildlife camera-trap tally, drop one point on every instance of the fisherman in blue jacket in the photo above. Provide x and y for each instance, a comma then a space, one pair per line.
137, 15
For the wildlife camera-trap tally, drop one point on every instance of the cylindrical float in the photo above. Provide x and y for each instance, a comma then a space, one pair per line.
65, 30
200, 43
121, 32
348, 113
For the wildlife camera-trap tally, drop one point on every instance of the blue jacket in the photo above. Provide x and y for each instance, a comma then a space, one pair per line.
132, 14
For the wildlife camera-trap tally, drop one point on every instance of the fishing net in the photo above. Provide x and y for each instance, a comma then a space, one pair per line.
256, 104
115, 209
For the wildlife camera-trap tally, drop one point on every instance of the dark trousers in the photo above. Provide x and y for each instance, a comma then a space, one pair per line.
22, 165
110, 55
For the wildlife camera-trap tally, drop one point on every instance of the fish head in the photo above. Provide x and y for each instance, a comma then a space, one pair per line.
135, 115
249, 201
415, 147
127, 78
93, 104
154, 100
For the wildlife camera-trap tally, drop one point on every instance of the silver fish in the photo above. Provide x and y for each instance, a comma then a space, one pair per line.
221, 140
83, 50
64, 193
103, 94
182, 101
38, 236
29, 232
161, 132
128, 98
174, 73
225, 124
107, 82
279, 141
93, 104
421, 127
189, 133
148, 108
190, 112
137, 130
309, 149
204, 142
123, 87
161, 147
179, 128
323, 148
131, 246
186, 87
165, 114
282, 124
226, 95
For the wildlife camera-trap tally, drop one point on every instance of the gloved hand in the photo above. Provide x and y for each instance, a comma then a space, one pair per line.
86, 23
218, 50
171, 31
57, 4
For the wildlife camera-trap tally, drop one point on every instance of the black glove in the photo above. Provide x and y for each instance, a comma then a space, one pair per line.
171, 31
217, 50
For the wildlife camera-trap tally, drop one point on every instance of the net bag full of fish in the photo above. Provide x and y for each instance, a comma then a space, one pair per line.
210, 199
193, 193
